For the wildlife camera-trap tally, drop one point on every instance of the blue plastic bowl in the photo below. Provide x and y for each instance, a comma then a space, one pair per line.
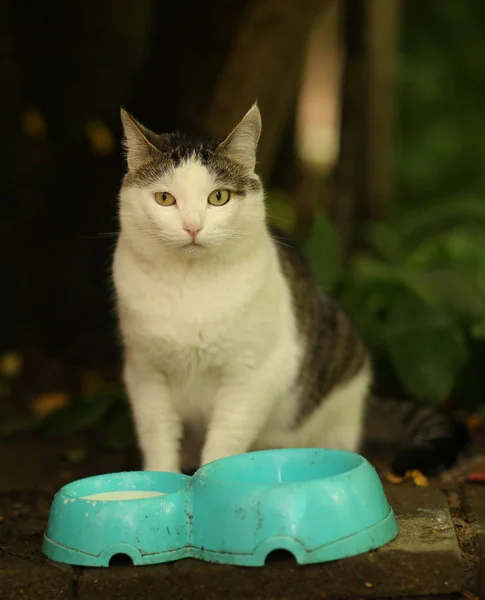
318, 504
88, 531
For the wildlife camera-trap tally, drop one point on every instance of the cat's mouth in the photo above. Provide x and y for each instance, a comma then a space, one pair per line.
191, 246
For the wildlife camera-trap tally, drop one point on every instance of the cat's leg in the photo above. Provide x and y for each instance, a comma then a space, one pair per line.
158, 426
242, 408
339, 421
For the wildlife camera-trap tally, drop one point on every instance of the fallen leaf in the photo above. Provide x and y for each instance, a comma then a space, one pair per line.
477, 472
100, 138
392, 478
419, 479
44, 404
475, 422
17, 509
368, 584
416, 476
34, 123
11, 364
476, 477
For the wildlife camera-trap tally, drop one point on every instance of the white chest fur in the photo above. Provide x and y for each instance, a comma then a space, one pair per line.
196, 324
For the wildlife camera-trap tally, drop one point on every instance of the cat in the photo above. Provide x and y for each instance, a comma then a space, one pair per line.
229, 343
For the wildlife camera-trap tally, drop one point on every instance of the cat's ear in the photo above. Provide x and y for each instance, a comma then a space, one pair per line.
139, 142
241, 144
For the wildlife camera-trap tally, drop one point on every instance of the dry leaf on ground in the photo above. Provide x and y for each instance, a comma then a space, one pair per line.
417, 477
389, 476
45, 404
475, 422
11, 364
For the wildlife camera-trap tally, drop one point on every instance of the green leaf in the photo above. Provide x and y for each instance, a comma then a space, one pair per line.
478, 330
78, 416
14, 426
120, 434
383, 239
76, 455
281, 212
448, 289
455, 292
322, 250
427, 349
418, 224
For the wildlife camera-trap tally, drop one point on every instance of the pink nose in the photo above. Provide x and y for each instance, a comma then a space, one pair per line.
193, 230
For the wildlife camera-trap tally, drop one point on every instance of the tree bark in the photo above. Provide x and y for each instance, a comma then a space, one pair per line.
264, 63
363, 176
348, 179
229, 54
207, 62
381, 49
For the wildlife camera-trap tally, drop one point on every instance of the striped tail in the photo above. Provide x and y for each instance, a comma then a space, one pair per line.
428, 439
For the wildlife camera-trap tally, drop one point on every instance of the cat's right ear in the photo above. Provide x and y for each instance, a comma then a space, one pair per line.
138, 141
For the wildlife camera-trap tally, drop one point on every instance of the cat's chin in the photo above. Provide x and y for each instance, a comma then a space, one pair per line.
193, 249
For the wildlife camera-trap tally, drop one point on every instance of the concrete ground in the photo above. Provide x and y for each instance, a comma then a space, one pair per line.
440, 552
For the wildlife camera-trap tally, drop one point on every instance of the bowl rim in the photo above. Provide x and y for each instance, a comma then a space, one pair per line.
209, 472
67, 490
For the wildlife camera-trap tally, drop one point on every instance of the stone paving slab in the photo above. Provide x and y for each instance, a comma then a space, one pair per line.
424, 560
475, 506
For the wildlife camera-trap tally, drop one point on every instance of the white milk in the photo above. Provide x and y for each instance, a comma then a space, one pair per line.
123, 495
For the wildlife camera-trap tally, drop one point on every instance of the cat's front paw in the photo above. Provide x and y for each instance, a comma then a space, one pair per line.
211, 456
161, 465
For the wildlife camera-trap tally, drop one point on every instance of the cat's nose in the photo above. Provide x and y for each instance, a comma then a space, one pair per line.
192, 230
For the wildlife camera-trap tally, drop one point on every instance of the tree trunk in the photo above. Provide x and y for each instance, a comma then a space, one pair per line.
232, 54
207, 62
381, 49
363, 177
264, 63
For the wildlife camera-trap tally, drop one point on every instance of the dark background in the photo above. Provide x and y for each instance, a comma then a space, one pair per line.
393, 221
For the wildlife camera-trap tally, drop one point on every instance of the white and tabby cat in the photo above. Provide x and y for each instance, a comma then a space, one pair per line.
229, 343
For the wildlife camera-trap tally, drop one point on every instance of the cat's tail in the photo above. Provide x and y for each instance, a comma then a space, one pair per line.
429, 440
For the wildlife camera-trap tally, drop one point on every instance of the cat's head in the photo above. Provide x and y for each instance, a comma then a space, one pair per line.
194, 197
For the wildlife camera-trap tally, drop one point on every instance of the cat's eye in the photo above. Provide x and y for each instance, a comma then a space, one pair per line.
164, 198
219, 197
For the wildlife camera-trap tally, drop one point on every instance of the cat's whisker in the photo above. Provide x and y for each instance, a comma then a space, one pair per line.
279, 218
106, 234
283, 244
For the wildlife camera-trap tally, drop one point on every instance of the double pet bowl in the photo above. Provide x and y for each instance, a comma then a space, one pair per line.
319, 505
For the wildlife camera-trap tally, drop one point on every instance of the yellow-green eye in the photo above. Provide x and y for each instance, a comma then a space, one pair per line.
219, 197
164, 198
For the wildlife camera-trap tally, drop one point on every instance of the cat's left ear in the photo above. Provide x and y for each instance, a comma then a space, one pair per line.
241, 144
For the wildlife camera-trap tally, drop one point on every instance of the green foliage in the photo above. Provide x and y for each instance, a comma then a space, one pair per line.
418, 295
120, 433
321, 246
108, 409
440, 94
416, 291
79, 415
